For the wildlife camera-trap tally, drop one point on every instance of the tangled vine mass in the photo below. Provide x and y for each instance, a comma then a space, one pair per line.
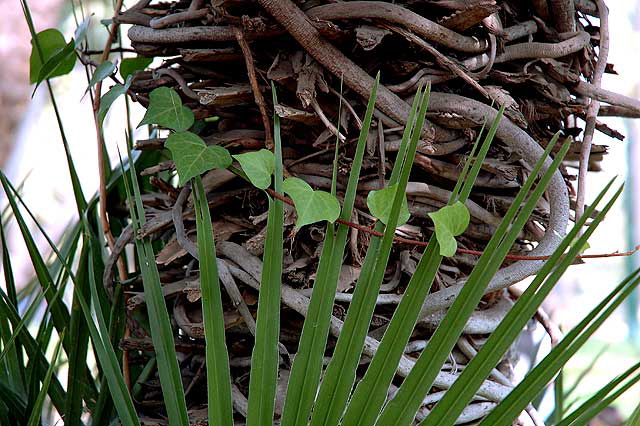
542, 60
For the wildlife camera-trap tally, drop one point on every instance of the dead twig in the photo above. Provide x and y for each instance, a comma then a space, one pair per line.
594, 107
257, 93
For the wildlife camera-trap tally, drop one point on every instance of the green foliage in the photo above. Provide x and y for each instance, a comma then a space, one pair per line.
101, 72
258, 166
311, 206
193, 157
380, 202
264, 358
160, 324
307, 366
28, 376
130, 66
220, 411
166, 110
57, 54
110, 97
450, 221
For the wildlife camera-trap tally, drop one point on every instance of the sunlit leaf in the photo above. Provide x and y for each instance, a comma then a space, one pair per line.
166, 110
311, 206
51, 43
193, 157
258, 165
450, 221
380, 202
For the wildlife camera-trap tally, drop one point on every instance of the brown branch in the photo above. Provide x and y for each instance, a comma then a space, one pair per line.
257, 93
102, 197
417, 243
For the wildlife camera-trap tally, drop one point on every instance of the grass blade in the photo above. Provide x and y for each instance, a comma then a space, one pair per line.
265, 358
36, 413
307, 366
372, 389
544, 372
480, 366
100, 339
220, 410
33, 351
402, 408
355, 327
598, 402
160, 324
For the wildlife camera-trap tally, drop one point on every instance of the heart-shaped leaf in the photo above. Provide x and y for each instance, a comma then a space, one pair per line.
450, 221
311, 206
381, 201
166, 110
131, 65
193, 157
258, 165
51, 43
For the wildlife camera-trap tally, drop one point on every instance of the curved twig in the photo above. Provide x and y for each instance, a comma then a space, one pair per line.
177, 18
393, 13
524, 145
179, 79
299, 303
176, 215
532, 50
589, 90
125, 237
594, 107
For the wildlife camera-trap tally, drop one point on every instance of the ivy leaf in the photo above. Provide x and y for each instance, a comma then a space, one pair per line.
381, 201
193, 157
103, 71
131, 65
450, 221
311, 206
259, 166
166, 110
109, 98
52, 45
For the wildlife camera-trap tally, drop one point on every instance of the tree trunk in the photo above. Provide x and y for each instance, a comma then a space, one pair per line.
477, 55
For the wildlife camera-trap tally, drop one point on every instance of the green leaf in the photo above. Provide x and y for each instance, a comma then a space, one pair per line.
380, 202
264, 358
129, 66
220, 410
311, 206
103, 71
503, 337
51, 42
166, 110
36, 412
307, 365
259, 166
341, 372
450, 221
193, 157
371, 391
159, 321
110, 97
